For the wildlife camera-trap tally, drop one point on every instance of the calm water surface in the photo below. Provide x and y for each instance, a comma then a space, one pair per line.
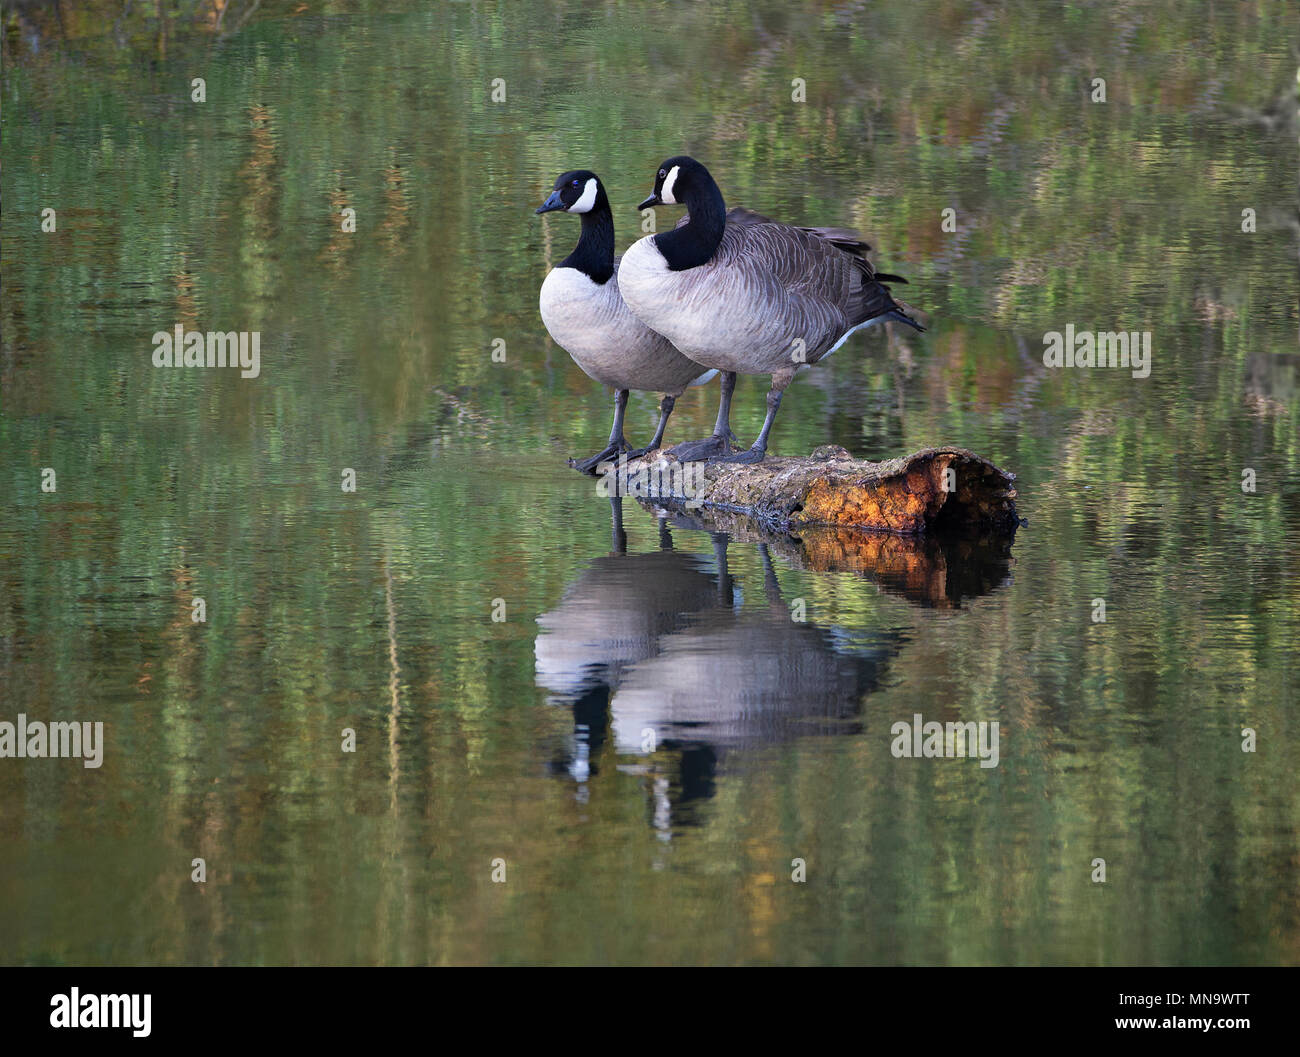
521, 739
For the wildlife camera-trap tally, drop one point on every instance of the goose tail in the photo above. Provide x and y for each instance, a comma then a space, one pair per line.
895, 309
879, 301
902, 317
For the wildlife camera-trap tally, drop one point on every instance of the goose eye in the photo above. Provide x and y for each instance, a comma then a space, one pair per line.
662, 174
575, 183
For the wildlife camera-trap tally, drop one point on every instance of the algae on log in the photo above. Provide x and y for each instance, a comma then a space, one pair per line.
913, 494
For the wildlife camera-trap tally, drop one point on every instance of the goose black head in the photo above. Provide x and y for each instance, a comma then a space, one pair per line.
682, 180
677, 178
579, 191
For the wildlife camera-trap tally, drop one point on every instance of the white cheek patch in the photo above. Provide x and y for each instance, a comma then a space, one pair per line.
588, 199
666, 193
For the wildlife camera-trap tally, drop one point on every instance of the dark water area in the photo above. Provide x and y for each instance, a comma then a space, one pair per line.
524, 738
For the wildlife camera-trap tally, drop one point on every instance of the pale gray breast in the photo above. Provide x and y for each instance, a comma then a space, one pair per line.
593, 324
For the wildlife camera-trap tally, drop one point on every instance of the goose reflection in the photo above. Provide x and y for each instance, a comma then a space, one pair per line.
736, 679
613, 616
667, 673
746, 676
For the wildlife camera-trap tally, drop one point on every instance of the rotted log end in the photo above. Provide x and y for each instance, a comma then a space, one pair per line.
930, 490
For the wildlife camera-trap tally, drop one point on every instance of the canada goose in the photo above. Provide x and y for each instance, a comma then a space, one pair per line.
585, 314
751, 297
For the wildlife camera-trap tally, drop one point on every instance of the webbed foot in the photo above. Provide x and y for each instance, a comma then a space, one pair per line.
746, 457
702, 450
610, 454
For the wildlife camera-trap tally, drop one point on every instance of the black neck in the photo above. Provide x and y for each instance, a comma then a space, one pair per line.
594, 253
695, 242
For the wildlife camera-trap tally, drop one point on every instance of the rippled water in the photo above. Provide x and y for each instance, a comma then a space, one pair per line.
522, 739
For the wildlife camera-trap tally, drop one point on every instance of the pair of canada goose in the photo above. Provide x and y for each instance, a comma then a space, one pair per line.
724, 291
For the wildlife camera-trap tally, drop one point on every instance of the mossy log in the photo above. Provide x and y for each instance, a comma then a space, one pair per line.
930, 490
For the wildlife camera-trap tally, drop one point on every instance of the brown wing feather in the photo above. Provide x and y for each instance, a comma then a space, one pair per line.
845, 239
769, 284
739, 215
806, 282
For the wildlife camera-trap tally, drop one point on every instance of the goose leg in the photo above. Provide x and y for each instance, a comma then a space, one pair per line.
722, 439
617, 444
665, 537
771, 585
618, 537
665, 409
759, 449
726, 586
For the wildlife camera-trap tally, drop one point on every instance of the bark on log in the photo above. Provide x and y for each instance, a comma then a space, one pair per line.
829, 487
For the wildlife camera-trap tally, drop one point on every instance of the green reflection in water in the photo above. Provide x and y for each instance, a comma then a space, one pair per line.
372, 610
